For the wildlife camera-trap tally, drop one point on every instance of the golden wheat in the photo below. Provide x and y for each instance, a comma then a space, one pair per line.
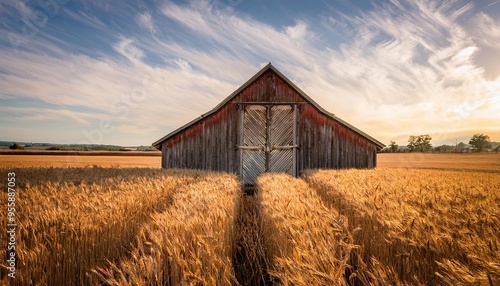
431, 226
74, 160
190, 243
308, 244
73, 219
134, 226
483, 162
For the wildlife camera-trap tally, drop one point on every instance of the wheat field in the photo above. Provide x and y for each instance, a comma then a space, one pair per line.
309, 244
151, 226
474, 162
430, 226
190, 243
87, 226
77, 161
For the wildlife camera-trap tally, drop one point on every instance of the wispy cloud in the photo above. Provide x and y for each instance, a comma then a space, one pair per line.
127, 49
145, 21
85, 18
21, 8
493, 3
486, 30
241, 38
45, 114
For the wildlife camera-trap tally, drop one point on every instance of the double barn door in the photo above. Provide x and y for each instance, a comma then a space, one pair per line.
267, 140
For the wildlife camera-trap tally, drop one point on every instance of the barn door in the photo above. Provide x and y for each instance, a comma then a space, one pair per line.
267, 141
281, 158
253, 147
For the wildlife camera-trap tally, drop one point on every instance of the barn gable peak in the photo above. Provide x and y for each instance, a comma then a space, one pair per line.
268, 68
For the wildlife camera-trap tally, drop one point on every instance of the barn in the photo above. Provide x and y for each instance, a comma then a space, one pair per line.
267, 125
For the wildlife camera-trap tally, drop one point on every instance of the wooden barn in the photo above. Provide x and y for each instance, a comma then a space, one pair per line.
267, 125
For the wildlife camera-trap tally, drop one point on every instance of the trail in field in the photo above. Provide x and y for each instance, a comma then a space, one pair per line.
249, 259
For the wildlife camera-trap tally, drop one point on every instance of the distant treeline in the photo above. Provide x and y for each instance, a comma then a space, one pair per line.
73, 147
79, 153
460, 148
422, 143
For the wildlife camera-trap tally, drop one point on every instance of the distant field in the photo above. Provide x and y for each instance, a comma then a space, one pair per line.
489, 162
75, 160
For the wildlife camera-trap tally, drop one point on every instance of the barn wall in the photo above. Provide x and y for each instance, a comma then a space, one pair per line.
209, 144
324, 143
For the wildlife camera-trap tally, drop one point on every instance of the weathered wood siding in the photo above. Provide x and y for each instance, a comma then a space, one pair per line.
208, 145
324, 143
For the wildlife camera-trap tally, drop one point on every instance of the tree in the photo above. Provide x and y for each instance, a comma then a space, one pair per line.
444, 148
461, 145
16, 146
497, 149
480, 141
420, 143
393, 147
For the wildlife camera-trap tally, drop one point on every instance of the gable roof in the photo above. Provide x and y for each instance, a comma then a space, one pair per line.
157, 144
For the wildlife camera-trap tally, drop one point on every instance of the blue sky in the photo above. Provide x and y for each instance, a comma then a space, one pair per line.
129, 72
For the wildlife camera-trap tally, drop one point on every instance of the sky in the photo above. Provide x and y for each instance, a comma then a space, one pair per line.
129, 72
